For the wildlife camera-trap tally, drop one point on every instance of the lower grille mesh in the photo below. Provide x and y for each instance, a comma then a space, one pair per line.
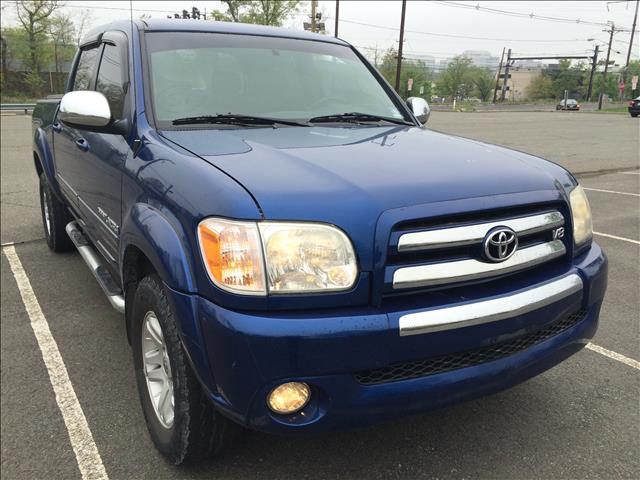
431, 366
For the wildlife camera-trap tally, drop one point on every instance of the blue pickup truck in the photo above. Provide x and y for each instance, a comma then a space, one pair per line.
292, 249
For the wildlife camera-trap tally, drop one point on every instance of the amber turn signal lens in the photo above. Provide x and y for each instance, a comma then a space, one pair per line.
289, 397
233, 255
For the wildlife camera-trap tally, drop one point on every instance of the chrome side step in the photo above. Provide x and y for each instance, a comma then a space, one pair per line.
97, 267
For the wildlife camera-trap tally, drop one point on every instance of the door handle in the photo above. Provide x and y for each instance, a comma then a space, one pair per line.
57, 127
82, 144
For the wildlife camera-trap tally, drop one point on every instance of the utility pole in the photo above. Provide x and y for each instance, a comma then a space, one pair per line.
314, 4
594, 63
399, 66
337, 14
495, 90
606, 66
506, 76
633, 31
375, 56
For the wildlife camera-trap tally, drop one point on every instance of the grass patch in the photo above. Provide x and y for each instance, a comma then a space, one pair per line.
17, 99
613, 110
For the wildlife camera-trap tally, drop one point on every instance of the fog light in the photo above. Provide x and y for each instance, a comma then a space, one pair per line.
289, 397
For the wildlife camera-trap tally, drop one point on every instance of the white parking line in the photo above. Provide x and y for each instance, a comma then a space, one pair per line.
612, 191
615, 356
85, 449
617, 238
630, 173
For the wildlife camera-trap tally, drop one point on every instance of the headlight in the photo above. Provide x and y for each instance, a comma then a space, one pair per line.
276, 257
306, 257
581, 214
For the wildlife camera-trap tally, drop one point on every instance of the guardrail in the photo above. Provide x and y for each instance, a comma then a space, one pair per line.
18, 106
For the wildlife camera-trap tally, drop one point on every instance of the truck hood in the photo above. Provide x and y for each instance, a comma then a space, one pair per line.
350, 176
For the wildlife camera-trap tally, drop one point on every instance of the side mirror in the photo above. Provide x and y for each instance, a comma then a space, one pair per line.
88, 110
420, 108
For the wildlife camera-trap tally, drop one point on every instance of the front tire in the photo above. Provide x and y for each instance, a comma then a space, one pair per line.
55, 218
182, 422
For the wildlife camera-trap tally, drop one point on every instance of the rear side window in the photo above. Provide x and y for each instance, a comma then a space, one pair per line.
110, 80
86, 68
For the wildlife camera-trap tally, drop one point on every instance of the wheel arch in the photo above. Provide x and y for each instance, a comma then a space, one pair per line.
145, 233
43, 161
150, 243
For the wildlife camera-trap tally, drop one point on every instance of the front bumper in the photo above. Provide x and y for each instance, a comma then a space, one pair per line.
248, 354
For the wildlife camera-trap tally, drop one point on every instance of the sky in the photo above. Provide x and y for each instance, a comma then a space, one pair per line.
437, 29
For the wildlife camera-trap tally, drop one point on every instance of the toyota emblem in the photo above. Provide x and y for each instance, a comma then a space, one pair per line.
500, 244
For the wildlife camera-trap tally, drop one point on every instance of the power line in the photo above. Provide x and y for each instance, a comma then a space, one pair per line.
450, 35
531, 15
413, 52
94, 7
435, 34
549, 54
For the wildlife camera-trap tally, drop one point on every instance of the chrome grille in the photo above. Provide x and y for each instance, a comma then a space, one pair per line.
452, 253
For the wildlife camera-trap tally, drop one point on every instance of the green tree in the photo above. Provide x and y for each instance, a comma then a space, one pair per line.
17, 47
456, 80
263, 12
35, 18
421, 76
272, 12
610, 87
82, 25
570, 78
219, 16
630, 71
484, 81
541, 88
62, 31
235, 9
387, 65
416, 70
34, 83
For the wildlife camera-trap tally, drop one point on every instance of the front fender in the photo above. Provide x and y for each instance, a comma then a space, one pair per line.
165, 245
44, 159
149, 229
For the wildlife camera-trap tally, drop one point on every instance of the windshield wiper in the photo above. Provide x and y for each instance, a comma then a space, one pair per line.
235, 119
357, 117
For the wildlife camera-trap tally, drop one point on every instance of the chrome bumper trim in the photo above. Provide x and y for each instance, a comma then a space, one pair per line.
469, 234
486, 311
461, 270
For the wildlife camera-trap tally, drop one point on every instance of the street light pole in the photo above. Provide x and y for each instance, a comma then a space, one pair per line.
399, 65
337, 13
606, 66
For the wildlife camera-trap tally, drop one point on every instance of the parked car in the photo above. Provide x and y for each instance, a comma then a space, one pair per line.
634, 107
292, 250
572, 104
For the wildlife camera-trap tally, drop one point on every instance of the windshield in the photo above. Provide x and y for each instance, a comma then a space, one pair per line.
201, 74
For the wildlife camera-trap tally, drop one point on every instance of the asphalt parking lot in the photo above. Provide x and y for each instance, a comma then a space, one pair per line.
579, 420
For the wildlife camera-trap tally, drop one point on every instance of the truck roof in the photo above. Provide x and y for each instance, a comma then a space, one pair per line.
190, 25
